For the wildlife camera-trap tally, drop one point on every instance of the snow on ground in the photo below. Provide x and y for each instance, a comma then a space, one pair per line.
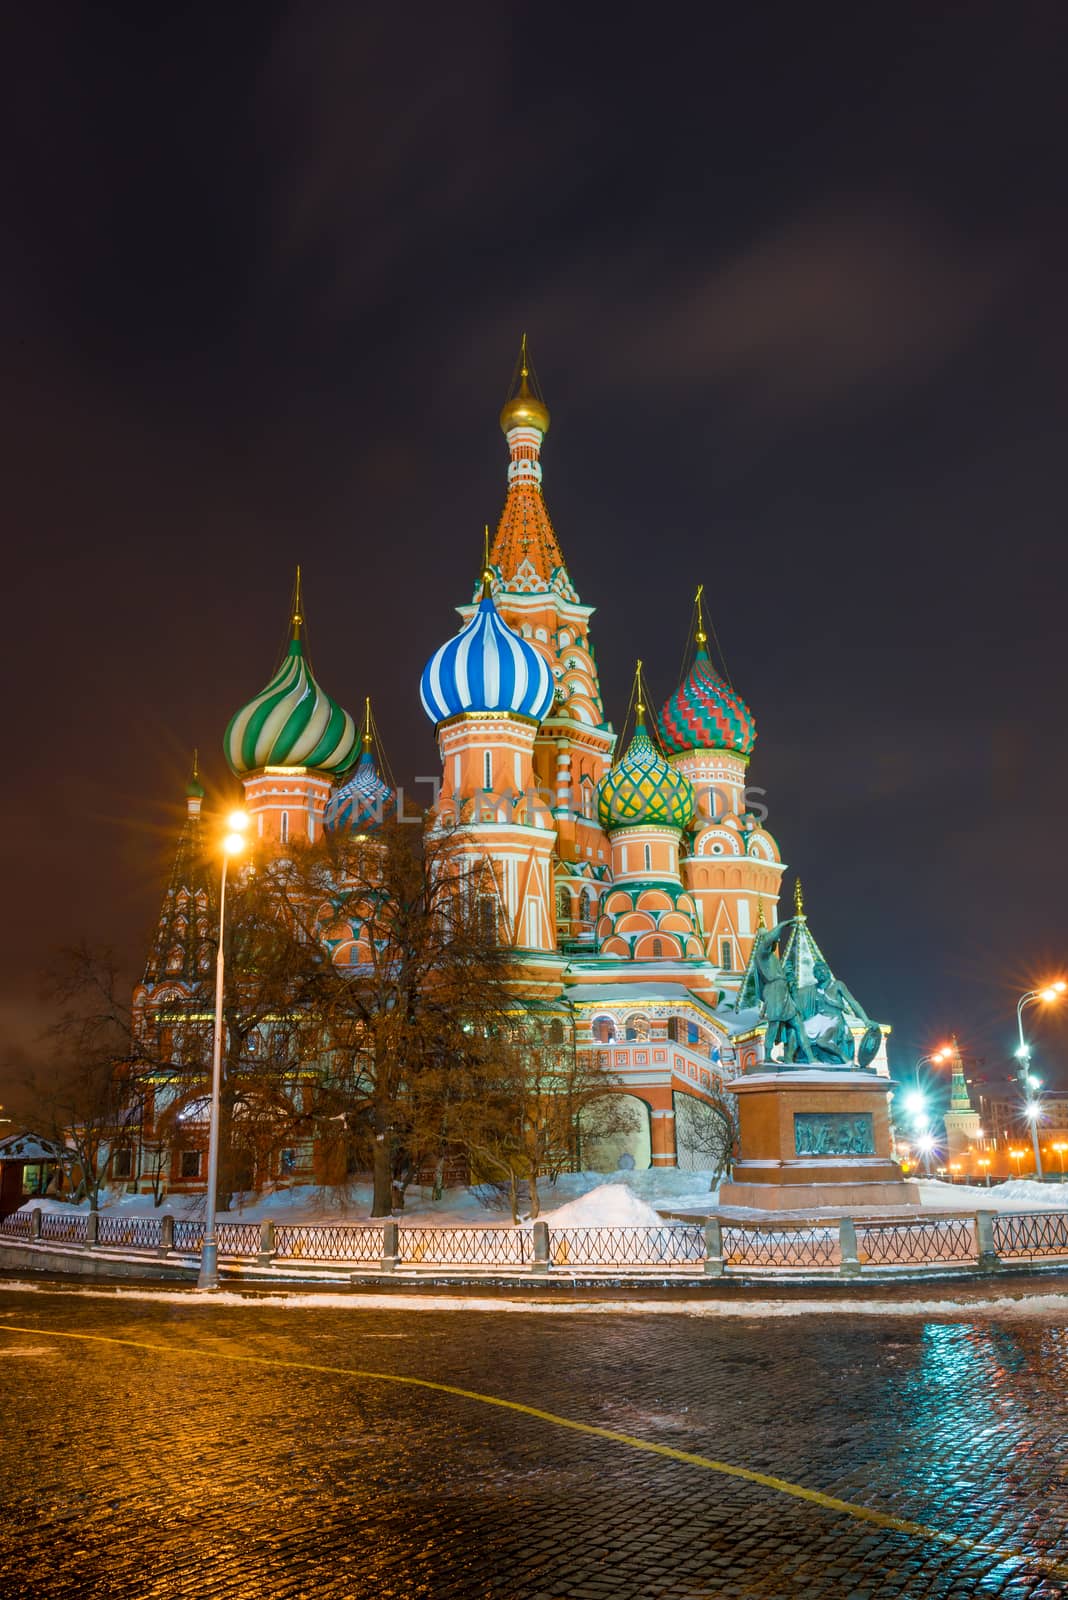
645, 1194
1015, 1194
458, 1208
1047, 1305
610, 1205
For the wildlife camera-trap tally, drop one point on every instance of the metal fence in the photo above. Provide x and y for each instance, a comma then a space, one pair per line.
802, 1246
464, 1247
136, 1233
1039, 1233
915, 1244
717, 1247
681, 1245
59, 1229
295, 1241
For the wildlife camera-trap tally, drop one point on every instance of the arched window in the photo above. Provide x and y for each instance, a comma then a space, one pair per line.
556, 1031
604, 1029
563, 906
658, 948
648, 858
584, 906
487, 770
285, 826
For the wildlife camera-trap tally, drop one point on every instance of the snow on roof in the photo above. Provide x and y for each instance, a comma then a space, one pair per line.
29, 1147
632, 995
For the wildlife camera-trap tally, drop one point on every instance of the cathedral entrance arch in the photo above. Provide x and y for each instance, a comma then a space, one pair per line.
615, 1134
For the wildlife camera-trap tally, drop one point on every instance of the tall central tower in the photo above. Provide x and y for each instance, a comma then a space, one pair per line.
535, 596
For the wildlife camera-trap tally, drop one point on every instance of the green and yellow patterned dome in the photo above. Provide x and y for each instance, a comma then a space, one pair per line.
643, 789
292, 722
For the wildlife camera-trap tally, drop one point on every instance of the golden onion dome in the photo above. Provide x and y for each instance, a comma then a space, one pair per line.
525, 409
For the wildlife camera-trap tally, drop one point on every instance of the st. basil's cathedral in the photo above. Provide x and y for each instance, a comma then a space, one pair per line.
628, 883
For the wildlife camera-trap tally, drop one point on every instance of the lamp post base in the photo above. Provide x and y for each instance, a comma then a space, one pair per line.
208, 1276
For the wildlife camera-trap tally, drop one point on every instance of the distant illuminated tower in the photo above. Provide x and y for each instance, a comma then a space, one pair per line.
486, 690
732, 866
963, 1126
643, 806
288, 745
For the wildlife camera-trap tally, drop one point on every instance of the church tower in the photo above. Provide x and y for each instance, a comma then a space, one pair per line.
732, 865
290, 744
486, 690
534, 595
644, 806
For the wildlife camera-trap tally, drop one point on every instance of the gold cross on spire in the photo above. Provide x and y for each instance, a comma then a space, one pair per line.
487, 571
701, 636
297, 618
799, 898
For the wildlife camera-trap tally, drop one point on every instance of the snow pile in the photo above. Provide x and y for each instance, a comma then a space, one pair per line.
1012, 1195
610, 1205
1046, 1194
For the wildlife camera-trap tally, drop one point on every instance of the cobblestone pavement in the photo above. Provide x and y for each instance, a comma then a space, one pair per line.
126, 1473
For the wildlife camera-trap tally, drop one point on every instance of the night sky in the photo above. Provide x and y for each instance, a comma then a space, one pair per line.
793, 279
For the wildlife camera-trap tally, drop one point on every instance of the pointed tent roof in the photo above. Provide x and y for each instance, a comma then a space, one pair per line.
525, 535
186, 928
959, 1098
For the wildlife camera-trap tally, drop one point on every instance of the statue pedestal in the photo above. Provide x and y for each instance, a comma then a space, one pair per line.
819, 1136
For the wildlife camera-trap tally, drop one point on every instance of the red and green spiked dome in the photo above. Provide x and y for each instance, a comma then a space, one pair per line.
705, 713
643, 789
292, 722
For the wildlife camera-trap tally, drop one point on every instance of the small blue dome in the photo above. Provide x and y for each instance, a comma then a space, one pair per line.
487, 667
362, 801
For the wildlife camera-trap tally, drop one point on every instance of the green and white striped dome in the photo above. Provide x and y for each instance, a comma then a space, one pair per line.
292, 722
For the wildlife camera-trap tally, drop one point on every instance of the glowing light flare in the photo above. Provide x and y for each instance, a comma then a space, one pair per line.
1032, 1111
234, 843
238, 821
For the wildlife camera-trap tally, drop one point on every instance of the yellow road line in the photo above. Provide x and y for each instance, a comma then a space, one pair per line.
797, 1491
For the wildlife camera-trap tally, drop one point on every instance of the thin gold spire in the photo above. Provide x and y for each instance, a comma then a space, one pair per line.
196, 762
487, 570
297, 619
799, 898
524, 366
639, 704
701, 636
367, 735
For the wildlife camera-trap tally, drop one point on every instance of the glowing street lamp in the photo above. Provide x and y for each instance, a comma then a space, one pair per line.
1017, 1156
234, 842
1048, 994
1060, 1149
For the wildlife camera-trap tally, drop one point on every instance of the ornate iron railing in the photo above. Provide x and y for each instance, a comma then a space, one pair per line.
59, 1229
1031, 1234
915, 1244
323, 1242
904, 1242
680, 1245
811, 1246
138, 1233
188, 1235
464, 1247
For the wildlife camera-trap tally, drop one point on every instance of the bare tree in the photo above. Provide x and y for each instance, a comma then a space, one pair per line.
527, 1125
87, 1091
403, 984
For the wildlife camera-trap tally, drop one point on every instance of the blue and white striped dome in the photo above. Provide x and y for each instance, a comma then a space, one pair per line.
487, 667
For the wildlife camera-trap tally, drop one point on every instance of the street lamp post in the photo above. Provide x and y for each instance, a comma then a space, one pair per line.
208, 1276
1050, 993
